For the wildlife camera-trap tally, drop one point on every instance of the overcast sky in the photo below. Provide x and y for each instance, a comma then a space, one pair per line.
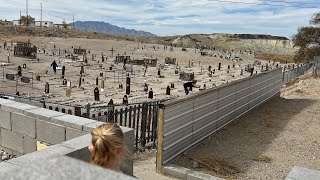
176, 17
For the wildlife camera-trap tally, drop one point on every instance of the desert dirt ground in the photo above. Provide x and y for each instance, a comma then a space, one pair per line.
85, 94
270, 140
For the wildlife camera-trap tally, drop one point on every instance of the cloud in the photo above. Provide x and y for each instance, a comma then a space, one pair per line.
167, 17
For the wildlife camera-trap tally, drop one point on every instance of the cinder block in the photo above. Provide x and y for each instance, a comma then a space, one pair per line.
23, 124
17, 107
129, 137
4, 101
80, 145
71, 121
12, 140
90, 127
5, 121
50, 133
81, 154
74, 133
42, 114
29, 145
51, 152
5, 166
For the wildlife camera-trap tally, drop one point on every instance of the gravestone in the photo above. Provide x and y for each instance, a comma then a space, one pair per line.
150, 95
80, 81
219, 67
38, 77
146, 88
46, 88
24, 66
11, 77
68, 92
25, 80
125, 100
176, 71
168, 90
97, 81
19, 71
128, 85
102, 84
172, 86
64, 82
96, 94
251, 71
82, 70
63, 71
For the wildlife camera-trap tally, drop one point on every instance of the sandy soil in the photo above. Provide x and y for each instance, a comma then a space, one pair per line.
285, 130
113, 79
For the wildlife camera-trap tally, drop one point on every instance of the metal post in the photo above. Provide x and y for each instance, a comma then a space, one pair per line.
17, 83
88, 110
32, 80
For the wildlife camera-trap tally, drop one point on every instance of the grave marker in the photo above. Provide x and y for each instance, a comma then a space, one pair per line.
168, 90
128, 85
96, 94
150, 95
46, 88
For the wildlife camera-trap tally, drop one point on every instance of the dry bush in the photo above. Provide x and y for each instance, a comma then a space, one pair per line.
262, 158
217, 165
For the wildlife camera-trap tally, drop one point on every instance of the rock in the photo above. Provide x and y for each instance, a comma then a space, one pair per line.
195, 164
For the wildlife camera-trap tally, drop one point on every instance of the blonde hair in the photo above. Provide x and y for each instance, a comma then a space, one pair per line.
106, 139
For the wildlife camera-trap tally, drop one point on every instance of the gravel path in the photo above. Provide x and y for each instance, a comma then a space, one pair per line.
286, 130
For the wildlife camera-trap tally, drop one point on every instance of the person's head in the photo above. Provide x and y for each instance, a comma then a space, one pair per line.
107, 146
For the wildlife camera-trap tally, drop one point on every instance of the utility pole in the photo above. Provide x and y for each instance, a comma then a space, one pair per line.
20, 22
73, 22
27, 13
41, 15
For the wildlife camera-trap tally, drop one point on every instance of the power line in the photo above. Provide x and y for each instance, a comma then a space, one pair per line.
261, 4
305, 3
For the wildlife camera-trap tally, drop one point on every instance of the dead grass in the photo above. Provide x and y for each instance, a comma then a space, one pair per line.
262, 158
276, 57
217, 165
300, 92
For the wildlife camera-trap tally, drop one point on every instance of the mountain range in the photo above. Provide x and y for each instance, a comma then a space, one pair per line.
102, 27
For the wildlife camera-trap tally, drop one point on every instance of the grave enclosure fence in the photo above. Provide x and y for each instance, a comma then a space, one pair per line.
9, 79
142, 117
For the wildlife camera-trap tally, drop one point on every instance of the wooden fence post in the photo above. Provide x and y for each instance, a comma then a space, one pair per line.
159, 167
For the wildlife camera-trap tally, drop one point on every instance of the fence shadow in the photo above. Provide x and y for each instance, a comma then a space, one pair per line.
248, 137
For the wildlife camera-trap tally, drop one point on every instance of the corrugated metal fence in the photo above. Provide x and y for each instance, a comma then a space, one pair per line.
185, 122
291, 74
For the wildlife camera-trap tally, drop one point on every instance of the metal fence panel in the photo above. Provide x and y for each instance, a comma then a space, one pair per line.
187, 122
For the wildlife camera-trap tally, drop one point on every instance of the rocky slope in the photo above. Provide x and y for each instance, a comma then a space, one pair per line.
258, 43
102, 27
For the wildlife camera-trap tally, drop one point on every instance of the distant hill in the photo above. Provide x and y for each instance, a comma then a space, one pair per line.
102, 27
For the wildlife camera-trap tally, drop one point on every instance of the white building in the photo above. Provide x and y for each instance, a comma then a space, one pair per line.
16, 22
44, 23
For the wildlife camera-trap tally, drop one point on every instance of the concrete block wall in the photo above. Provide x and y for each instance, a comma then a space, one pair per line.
21, 125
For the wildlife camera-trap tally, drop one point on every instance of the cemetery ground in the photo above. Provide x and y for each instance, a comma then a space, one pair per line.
267, 142
85, 94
